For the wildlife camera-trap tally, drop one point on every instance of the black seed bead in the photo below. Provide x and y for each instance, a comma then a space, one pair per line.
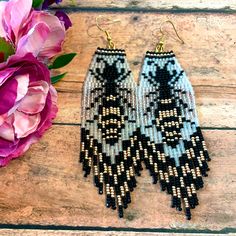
100, 188
195, 198
108, 201
128, 198
130, 184
113, 203
191, 202
163, 185
155, 178
120, 210
188, 213
96, 180
125, 205
174, 202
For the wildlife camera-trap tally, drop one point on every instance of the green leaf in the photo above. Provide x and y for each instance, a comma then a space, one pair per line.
62, 61
37, 3
73, 2
56, 78
6, 48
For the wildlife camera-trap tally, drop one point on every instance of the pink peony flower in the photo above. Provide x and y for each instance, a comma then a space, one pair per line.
32, 31
27, 107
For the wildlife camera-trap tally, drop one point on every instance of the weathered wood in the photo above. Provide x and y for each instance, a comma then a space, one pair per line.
47, 186
7, 232
154, 5
208, 55
211, 100
204, 55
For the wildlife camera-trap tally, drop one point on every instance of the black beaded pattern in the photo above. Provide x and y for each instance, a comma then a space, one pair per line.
172, 144
109, 145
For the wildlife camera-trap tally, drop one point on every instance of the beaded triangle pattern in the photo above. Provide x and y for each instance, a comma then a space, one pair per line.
172, 146
109, 130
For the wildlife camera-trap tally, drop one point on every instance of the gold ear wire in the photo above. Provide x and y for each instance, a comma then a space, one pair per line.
110, 43
160, 45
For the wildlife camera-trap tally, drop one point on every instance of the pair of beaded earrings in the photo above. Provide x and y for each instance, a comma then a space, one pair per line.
125, 125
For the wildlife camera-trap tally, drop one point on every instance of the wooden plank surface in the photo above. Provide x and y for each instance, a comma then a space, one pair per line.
49, 188
225, 5
208, 56
7, 232
46, 186
211, 100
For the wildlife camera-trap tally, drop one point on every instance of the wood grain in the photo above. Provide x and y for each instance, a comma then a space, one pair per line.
154, 5
46, 186
7, 232
91, 233
49, 188
210, 101
208, 55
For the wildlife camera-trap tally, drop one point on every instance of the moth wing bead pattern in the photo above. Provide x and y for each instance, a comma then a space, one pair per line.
109, 131
172, 142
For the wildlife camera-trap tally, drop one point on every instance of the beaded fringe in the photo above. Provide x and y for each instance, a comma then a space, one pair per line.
108, 133
172, 145
156, 123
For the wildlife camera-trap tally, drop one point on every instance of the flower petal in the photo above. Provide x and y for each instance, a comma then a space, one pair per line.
31, 65
25, 124
22, 88
29, 77
7, 130
6, 148
34, 40
49, 112
2, 28
56, 36
35, 99
23, 146
8, 93
19, 11
6, 73
63, 17
2, 120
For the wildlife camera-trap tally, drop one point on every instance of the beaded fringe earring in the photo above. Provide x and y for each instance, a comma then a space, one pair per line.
173, 147
108, 132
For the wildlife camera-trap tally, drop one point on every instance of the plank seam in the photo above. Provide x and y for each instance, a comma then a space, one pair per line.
174, 9
109, 229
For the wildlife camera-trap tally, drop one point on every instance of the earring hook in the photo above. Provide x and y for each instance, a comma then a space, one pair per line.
110, 43
160, 45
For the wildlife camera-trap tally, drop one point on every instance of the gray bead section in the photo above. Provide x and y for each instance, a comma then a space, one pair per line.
148, 92
92, 81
